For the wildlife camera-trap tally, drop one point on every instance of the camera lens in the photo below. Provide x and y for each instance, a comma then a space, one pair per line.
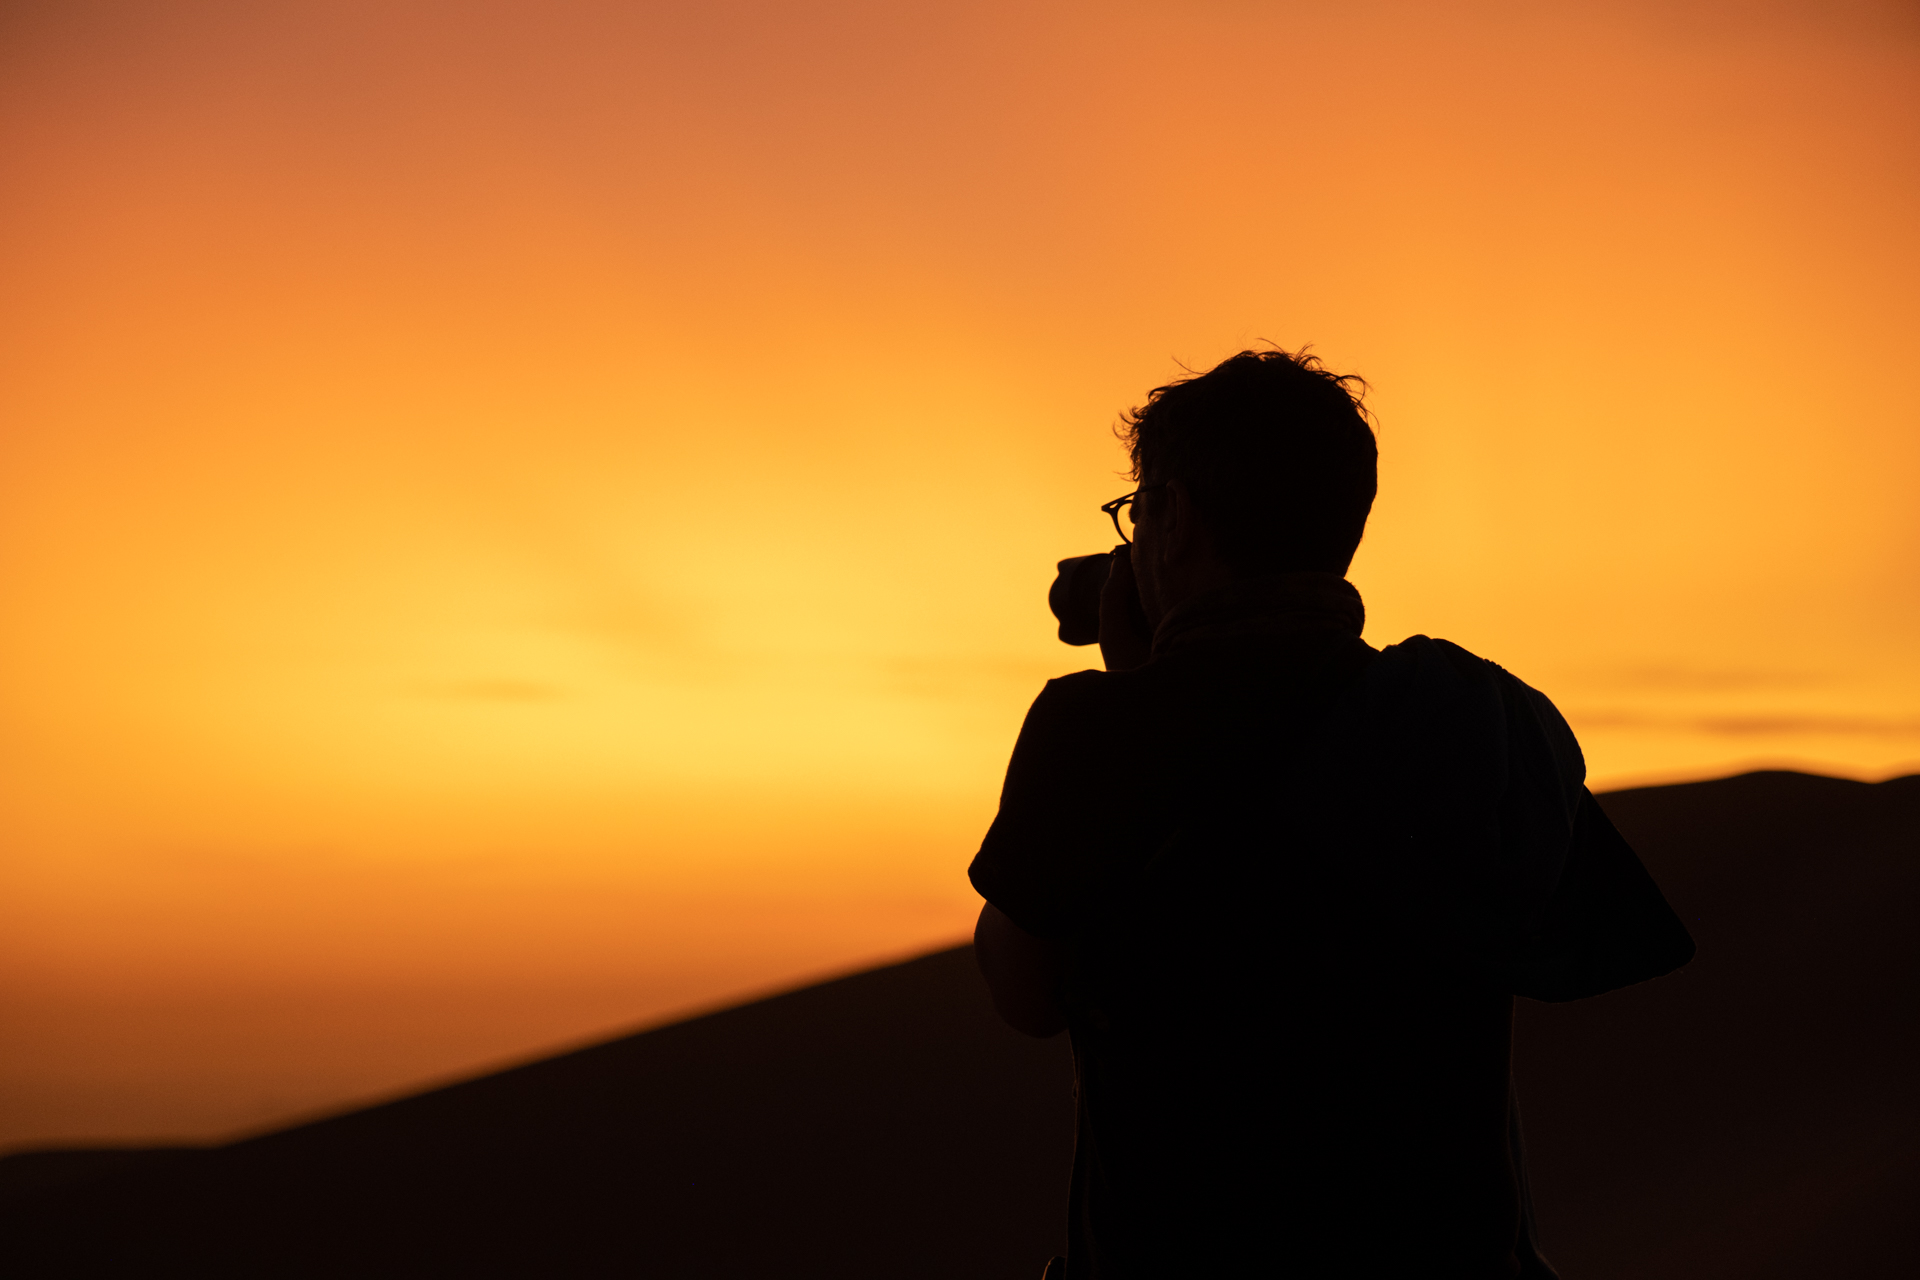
1075, 597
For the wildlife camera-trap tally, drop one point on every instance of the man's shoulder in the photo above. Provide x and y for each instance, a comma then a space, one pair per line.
1090, 688
1423, 652
1078, 689
1077, 683
1422, 671
1076, 705
1425, 687
1433, 666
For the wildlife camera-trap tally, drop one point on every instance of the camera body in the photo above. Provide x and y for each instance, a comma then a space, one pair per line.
1075, 596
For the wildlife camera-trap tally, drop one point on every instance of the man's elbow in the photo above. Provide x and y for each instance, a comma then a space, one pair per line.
1033, 1020
1023, 974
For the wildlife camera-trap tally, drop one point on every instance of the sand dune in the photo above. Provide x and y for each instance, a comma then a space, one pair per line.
1750, 1117
1754, 1115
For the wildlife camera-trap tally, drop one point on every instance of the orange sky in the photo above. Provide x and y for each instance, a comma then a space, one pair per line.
523, 518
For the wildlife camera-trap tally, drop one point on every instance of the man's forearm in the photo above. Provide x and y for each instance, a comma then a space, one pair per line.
1023, 973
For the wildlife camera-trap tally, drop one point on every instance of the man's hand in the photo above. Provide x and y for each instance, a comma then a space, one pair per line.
1126, 641
1023, 973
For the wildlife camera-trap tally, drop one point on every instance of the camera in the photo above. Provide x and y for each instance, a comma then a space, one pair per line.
1075, 596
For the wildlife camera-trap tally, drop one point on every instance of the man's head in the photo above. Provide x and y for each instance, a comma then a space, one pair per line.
1270, 452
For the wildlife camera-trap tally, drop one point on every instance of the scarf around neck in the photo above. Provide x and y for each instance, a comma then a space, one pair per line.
1280, 605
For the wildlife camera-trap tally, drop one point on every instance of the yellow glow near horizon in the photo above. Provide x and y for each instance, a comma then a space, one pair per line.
520, 519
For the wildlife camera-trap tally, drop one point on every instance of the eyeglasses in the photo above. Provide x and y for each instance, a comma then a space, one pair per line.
1126, 502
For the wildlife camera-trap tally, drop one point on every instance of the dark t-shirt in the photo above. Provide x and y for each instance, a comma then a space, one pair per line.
1302, 880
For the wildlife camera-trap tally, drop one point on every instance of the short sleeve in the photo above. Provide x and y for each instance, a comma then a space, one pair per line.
1608, 925
1065, 816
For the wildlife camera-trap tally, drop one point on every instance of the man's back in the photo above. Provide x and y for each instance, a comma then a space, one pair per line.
1285, 1061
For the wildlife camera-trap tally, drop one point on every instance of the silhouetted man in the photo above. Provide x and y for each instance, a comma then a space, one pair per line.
1282, 886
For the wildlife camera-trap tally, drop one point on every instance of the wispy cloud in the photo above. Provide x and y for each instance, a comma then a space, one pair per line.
1682, 678
1754, 724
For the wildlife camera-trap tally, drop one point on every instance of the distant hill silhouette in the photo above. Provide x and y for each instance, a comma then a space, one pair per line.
1752, 1117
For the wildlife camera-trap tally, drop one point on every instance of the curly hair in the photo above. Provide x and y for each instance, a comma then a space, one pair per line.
1277, 452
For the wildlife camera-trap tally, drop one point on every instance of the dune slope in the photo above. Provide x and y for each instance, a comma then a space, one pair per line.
1750, 1117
